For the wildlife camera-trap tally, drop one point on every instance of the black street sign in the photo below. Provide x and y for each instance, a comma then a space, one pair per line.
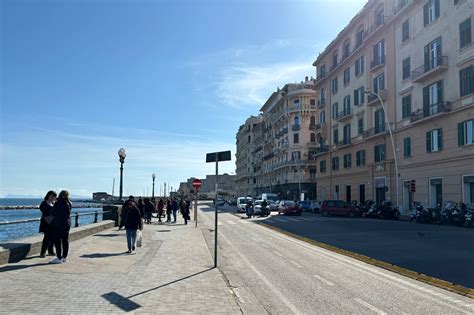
221, 156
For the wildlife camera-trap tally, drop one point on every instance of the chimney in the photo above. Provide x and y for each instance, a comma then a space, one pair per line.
306, 78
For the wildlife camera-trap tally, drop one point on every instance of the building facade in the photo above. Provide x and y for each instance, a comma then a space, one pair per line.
418, 57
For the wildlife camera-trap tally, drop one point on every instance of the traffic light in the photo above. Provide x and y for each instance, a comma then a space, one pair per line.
413, 185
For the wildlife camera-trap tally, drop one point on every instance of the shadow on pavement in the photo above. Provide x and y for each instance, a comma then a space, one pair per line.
102, 255
169, 283
19, 267
107, 235
121, 302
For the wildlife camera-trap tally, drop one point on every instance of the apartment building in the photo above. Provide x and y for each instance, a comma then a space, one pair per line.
418, 57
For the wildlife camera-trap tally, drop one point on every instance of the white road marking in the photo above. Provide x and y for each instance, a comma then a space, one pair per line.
280, 219
280, 295
292, 219
231, 222
323, 280
296, 264
369, 306
278, 253
306, 219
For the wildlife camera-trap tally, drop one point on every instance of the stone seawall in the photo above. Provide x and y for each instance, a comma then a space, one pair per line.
16, 250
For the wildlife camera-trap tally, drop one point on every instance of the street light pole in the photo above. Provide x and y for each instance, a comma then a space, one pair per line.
122, 155
153, 189
392, 141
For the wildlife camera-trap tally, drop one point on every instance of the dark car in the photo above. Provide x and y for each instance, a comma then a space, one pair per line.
338, 207
289, 207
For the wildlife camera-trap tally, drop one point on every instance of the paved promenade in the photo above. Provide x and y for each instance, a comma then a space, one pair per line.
171, 273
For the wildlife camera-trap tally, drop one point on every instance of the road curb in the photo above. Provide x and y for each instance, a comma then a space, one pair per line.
456, 288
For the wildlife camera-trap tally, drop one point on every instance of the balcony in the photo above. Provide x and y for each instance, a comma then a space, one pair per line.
372, 99
333, 66
321, 76
314, 127
430, 110
295, 127
429, 69
344, 115
321, 149
377, 62
311, 144
400, 6
343, 143
285, 130
374, 131
321, 102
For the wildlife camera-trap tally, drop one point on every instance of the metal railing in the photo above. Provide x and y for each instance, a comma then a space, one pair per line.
344, 114
75, 215
432, 64
295, 127
321, 102
430, 110
378, 60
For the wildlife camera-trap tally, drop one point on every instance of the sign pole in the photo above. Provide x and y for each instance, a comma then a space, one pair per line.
195, 210
215, 217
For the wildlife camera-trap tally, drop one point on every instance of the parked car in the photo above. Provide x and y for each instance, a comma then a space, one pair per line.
338, 207
272, 205
289, 207
315, 206
305, 205
242, 202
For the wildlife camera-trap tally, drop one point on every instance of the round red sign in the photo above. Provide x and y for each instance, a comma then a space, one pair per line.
197, 183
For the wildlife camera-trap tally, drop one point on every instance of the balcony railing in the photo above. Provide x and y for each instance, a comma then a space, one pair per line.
321, 76
377, 61
347, 113
429, 68
333, 66
374, 131
295, 127
400, 5
321, 102
373, 99
285, 130
321, 149
314, 126
430, 110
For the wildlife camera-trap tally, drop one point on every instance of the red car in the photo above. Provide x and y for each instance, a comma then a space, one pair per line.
338, 207
289, 207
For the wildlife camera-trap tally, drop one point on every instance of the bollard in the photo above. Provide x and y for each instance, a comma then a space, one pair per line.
77, 220
95, 217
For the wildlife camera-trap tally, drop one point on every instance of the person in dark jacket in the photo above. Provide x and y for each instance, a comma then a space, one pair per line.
46, 208
184, 211
161, 206
168, 210
174, 208
148, 206
61, 225
132, 220
141, 207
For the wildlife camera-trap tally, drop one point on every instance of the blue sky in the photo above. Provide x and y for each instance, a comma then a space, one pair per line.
167, 80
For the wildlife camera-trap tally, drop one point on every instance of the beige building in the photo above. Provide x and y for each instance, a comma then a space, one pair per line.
419, 57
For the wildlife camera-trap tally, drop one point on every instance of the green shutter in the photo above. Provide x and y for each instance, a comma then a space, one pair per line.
426, 101
425, 14
437, 8
440, 91
428, 141
461, 134
440, 139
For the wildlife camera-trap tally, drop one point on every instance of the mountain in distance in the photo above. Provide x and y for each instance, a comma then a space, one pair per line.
12, 196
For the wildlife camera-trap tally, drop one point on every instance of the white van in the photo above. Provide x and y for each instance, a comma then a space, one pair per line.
242, 202
269, 197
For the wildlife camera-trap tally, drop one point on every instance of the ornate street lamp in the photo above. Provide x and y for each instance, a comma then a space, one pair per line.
153, 189
122, 155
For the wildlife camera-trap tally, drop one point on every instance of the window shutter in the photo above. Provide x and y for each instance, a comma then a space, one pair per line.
356, 98
460, 134
362, 95
440, 140
437, 8
426, 101
428, 141
440, 91
425, 14
426, 53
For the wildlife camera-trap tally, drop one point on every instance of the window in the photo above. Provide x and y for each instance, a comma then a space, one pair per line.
334, 60
322, 96
312, 102
335, 163
430, 11
322, 71
322, 117
346, 134
379, 153
359, 96
346, 50
432, 54
312, 120
296, 120
466, 132
379, 120
359, 66
434, 140
359, 37
360, 158
466, 81
322, 166
347, 76
312, 173
465, 33
379, 53
407, 147
347, 160
334, 86
432, 98
406, 68
379, 17
335, 110
360, 126
405, 30
335, 133
296, 138
379, 83
347, 105
406, 106
313, 137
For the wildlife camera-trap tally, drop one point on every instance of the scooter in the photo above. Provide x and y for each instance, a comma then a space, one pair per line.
387, 211
265, 212
469, 217
249, 210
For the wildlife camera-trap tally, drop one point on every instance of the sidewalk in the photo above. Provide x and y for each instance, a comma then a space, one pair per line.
171, 273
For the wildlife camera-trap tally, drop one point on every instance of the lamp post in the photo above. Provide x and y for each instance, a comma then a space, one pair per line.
153, 189
122, 155
391, 139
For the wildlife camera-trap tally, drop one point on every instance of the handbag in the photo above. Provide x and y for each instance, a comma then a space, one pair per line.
139, 238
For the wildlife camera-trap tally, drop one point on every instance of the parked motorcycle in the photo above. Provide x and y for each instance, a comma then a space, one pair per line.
416, 211
367, 210
387, 211
469, 217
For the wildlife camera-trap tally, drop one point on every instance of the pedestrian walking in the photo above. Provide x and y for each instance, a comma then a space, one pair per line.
174, 208
141, 207
148, 206
61, 225
46, 208
185, 211
161, 206
168, 210
132, 221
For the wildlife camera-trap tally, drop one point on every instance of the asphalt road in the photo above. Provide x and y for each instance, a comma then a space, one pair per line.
274, 273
